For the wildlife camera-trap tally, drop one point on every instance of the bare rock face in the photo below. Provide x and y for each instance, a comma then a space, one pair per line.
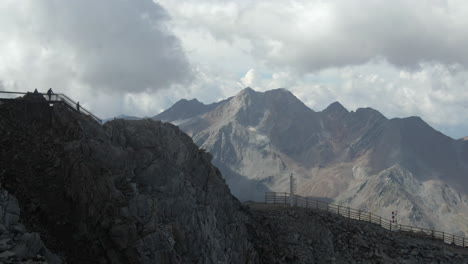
126, 192
16, 244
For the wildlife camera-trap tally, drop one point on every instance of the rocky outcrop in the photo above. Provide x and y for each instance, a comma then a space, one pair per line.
295, 235
17, 245
126, 192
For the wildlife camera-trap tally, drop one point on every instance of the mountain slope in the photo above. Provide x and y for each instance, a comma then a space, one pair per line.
126, 192
266, 136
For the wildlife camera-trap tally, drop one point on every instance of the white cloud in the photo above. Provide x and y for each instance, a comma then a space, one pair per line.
249, 78
312, 35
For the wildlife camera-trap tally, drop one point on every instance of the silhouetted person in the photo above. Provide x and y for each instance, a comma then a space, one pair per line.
78, 107
49, 93
35, 91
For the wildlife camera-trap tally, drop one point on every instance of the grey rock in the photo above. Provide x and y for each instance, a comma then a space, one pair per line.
6, 254
330, 241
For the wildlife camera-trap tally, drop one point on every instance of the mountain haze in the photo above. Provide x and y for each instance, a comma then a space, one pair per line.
357, 158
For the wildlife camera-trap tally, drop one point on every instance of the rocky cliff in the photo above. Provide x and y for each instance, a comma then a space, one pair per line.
17, 245
126, 192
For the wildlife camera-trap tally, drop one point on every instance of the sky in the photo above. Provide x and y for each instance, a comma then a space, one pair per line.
403, 58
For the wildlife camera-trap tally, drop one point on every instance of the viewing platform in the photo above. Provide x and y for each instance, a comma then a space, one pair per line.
53, 98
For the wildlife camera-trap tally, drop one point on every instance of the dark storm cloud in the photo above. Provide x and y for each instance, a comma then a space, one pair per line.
112, 45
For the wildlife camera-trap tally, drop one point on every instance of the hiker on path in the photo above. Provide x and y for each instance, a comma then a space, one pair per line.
78, 106
49, 93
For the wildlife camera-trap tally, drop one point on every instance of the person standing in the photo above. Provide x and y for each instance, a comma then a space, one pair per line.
49, 93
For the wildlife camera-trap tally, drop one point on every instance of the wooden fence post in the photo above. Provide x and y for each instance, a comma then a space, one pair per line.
338, 210
380, 220
349, 212
390, 224
443, 236
359, 213
453, 239
370, 218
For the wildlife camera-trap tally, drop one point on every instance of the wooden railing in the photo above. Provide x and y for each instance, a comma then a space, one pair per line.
284, 198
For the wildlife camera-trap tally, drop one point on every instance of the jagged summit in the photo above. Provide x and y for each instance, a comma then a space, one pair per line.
280, 99
274, 92
336, 107
246, 90
368, 112
193, 103
184, 109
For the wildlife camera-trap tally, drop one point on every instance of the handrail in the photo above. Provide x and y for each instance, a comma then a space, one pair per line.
72, 104
7, 92
284, 198
63, 98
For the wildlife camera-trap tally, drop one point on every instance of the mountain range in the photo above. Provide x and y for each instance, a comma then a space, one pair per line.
355, 158
73, 190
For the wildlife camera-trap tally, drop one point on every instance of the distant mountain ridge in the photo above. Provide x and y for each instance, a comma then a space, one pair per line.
124, 117
358, 158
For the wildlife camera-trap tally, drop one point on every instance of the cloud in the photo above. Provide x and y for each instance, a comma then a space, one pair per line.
109, 46
249, 78
314, 35
401, 57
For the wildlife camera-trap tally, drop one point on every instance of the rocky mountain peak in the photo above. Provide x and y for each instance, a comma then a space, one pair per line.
336, 108
369, 113
246, 91
183, 109
250, 102
185, 102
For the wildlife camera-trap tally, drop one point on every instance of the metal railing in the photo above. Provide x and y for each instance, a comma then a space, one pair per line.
56, 98
284, 198
67, 100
